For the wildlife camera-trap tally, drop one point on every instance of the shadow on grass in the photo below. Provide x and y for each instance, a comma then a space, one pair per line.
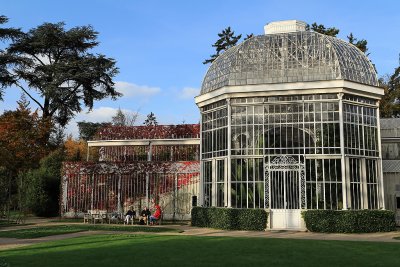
76, 242
6, 225
44, 231
67, 220
137, 250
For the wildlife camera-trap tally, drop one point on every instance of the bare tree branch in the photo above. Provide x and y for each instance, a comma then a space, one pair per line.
31, 97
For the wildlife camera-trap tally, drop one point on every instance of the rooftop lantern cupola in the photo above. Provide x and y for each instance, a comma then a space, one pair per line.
285, 26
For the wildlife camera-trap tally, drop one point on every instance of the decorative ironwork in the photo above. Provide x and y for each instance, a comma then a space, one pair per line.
302, 189
267, 192
284, 163
287, 161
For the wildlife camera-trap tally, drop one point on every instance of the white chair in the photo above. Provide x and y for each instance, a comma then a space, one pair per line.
87, 218
100, 216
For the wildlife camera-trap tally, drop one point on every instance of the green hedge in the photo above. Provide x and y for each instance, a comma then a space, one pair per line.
349, 221
230, 219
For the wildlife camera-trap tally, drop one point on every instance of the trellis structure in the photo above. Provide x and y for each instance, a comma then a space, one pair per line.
133, 173
119, 186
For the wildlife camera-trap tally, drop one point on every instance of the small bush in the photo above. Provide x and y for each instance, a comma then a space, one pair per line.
40, 188
349, 221
230, 219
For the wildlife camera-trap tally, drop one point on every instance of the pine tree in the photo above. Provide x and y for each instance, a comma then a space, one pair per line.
119, 119
88, 130
320, 28
390, 102
360, 44
248, 36
151, 120
58, 71
227, 39
125, 118
8, 33
6, 77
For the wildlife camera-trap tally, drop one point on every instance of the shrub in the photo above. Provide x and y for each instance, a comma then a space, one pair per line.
230, 219
349, 221
40, 188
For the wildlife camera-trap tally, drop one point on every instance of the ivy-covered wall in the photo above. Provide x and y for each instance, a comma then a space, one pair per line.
117, 186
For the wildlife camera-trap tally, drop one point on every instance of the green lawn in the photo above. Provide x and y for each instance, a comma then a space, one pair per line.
80, 220
68, 220
152, 250
36, 232
4, 224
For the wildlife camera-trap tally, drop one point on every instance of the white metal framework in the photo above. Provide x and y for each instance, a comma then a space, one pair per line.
292, 57
291, 122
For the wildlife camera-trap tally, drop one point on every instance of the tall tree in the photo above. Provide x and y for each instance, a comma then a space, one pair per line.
227, 39
119, 119
6, 78
248, 36
332, 31
21, 136
360, 44
88, 130
21, 148
151, 120
74, 149
390, 102
320, 28
124, 118
8, 33
131, 118
57, 65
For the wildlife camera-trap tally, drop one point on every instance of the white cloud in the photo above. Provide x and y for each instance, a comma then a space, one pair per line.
101, 114
189, 92
97, 115
134, 90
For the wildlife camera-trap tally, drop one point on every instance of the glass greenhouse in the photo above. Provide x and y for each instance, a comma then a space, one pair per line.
290, 121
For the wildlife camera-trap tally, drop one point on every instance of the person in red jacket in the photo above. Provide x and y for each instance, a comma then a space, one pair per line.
156, 215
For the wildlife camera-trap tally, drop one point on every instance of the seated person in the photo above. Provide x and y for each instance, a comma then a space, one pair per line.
130, 214
156, 216
144, 216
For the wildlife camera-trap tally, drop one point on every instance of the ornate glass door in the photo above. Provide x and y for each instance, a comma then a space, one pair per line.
285, 194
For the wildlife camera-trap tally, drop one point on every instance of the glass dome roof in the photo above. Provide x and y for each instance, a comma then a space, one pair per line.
301, 56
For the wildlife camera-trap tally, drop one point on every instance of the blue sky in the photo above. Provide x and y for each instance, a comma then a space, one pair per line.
160, 45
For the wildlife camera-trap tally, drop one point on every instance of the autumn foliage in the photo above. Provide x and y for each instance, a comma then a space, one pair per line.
74, 149
22, 138
22, 145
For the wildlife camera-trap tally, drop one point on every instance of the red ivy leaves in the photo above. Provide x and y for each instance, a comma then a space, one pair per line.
149, 132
